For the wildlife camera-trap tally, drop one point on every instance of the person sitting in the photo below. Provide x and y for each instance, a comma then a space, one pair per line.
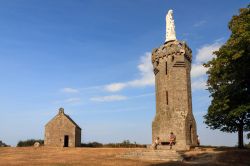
172, 139
156, 143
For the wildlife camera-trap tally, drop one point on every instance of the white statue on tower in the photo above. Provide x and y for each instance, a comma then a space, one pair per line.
170, 27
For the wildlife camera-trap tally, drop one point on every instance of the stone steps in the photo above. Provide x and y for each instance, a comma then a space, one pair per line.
174, 147
166, 155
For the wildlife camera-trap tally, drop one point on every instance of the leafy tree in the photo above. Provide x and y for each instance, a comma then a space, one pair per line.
229, 80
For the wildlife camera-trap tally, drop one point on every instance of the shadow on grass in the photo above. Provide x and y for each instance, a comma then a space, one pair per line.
227, 156
173, 163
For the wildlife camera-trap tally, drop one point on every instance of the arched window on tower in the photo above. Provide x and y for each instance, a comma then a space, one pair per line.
167, 97
166, 68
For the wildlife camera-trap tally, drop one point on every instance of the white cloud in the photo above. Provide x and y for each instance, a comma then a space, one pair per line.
146, 72
108, 98
73, 100
198, 70
146, 76
200, 23
115, 87
69, 90
205, 53
199, 84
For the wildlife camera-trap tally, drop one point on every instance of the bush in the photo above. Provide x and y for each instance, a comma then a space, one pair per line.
29, 142
124, 144
92, 145
2, 144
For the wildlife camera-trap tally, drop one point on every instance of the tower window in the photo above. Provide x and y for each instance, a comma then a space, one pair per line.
166, 68
167, 97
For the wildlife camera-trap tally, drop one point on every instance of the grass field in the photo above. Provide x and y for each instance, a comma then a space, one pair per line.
107, 156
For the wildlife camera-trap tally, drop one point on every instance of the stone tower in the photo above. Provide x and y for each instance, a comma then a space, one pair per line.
172, 65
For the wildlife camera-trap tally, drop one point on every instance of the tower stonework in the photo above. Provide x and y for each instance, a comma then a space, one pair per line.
172, 65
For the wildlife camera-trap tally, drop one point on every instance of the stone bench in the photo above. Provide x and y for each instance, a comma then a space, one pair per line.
162, 145
166, 143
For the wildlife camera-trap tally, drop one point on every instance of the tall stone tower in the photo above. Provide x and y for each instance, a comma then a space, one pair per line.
172, 65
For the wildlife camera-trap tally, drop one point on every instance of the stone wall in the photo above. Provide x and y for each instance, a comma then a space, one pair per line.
77, 137
172, 65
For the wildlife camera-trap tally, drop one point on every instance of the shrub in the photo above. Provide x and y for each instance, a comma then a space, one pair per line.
92, 145
124, 144
29, 142
2, 144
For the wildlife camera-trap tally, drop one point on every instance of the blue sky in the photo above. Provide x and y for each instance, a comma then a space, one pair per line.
93, 59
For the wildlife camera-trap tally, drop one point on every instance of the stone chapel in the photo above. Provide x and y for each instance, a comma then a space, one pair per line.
62, 131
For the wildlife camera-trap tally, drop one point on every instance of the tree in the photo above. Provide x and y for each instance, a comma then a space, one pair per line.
229, 80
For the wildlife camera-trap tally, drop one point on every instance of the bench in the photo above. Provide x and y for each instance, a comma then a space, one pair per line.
167, 143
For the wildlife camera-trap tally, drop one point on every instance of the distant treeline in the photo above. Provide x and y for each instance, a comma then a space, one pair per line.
29, 142
124, 144
2, 144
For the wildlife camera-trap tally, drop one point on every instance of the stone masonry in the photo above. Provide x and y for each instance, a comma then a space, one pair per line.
172, 65
62, 131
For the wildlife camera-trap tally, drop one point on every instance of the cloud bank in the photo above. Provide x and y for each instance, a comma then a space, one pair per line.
146, 76
198, 71
108, 98
69, 90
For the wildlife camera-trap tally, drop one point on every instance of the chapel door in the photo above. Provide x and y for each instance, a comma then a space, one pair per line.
66, 141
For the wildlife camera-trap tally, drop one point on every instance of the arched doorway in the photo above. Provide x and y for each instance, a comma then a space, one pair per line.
191, 134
